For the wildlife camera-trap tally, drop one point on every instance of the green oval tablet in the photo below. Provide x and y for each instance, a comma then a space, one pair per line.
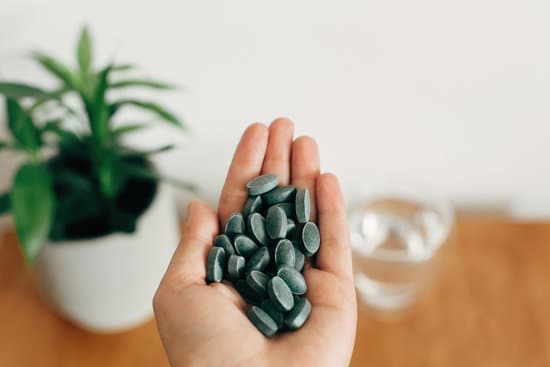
235, 266
234, 225
262, 184
310, 239
275, 222
285, 253
280, 294
253, 204
224, 242
256, 228
259, 260
244, 245
302, 205
273, 312
288, 209
279, 195
290, 228
258, 282
262, 321
299, 314
214, 264
294, 279
300, 259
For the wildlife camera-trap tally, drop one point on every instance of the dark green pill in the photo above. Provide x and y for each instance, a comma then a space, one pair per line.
244, 245
310, 239
290, 227
302, 205
258, 282
279, 195
234, 225
275, 223
280, 294
300, 259
224, 242
247, 293
273, 312
235, 266
262, 184
259, 260
293, 278
299, 314
262, 321
215, 264
253, 204
285, 253
256, 228
288, 208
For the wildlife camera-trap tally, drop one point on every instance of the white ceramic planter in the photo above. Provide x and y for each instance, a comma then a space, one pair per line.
107, 284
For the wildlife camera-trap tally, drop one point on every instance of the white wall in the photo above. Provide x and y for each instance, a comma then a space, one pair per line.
452, 94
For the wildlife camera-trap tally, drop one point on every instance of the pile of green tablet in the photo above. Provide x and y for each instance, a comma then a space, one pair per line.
263, 252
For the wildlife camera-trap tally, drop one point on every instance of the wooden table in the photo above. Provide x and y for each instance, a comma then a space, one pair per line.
490, 307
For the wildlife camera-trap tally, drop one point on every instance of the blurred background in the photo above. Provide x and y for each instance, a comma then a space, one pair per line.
441, 97
460, 87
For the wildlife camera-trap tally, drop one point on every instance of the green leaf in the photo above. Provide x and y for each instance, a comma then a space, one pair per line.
19, 90
111, 179
138, 170
5, 204
151, 107
130, 128
123, 67
142, 83
64, 135
9, 145
58, 93
54, 95
161, 149
21, 126
33, 202
84, 52
57, 68
99, 118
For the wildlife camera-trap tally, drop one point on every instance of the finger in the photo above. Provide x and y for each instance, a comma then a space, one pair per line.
277, 156
305, 167
246, 164
188, 264
334, 255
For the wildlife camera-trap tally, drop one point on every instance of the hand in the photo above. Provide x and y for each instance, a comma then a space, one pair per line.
206, 324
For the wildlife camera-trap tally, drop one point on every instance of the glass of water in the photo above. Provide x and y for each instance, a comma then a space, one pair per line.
396, 240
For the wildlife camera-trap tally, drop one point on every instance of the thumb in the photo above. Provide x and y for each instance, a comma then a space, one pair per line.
188, 262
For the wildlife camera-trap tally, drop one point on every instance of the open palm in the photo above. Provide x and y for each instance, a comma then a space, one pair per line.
206, 324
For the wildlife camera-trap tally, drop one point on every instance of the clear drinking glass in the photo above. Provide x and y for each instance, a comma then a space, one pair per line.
396, 239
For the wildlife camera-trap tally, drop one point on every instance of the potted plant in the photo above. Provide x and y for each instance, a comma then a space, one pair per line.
89, 211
